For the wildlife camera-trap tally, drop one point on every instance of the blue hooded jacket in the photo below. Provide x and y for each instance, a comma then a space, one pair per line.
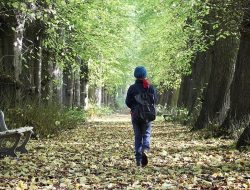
135, 89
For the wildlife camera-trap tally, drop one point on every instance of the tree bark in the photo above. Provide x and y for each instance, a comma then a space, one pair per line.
185, 92
169, 97
8, 85
98, 94
174, 97
201, 68
68, 78
18, 45
215, 95
221, 56
47, 78
86, 93
58, 76
84, 84
38, 79
244, 139
240, 89
77, 89
164, 98
32, 66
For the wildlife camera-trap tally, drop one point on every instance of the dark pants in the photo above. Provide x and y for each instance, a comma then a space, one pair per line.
142, 132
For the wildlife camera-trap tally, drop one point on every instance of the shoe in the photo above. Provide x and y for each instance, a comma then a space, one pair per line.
144, 160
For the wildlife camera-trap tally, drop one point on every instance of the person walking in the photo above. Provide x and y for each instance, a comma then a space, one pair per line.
142, 129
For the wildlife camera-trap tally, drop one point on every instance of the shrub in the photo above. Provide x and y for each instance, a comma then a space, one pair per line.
47, 120
174, 114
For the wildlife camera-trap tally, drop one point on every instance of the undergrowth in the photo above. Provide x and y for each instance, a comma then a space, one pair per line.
173, 114
47, 120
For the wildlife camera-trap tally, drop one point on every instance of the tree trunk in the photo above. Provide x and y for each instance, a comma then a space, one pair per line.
201, 68
18, 45
1, 50
174, 97
240, 89
77, 88
98, 94
103, 97
8, 85
47, 78
70, 90
160, 99
215, 95
86, 93
58, 76
163, 98
84, 84
32, 66
169, 97
244, 139
185, 92
68, 78
91, 94
38, 69
50, 82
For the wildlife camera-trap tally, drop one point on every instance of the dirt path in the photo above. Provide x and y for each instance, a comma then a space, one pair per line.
112, 118
99, 155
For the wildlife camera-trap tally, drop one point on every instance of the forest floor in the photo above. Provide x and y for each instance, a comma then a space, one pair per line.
99, 155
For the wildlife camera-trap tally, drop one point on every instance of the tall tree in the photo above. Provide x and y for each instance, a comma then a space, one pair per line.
201, 68
8, 86
238, 114
224, 53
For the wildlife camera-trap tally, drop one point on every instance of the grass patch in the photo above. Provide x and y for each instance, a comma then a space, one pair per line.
96, 111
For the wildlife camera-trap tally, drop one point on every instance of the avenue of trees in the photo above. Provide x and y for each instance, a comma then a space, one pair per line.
73, 52
50, 50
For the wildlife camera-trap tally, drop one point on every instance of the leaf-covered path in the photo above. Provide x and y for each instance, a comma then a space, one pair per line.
99, 155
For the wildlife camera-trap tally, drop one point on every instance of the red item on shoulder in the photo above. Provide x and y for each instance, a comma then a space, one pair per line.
145, 83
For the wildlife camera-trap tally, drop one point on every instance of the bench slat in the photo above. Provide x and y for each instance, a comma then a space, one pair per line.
14, 133
19, 130
22, 130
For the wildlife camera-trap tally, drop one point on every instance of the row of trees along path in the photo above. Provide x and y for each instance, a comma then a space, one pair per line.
99, 155
200, 63
66, 53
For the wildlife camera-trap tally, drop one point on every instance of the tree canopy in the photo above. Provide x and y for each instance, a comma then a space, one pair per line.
112, 37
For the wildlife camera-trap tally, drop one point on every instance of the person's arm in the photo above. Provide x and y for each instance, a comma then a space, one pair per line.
129, 97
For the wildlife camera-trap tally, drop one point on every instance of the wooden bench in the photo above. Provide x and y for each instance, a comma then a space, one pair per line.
13, 140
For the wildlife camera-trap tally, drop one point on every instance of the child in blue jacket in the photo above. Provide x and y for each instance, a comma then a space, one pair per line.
142, 130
